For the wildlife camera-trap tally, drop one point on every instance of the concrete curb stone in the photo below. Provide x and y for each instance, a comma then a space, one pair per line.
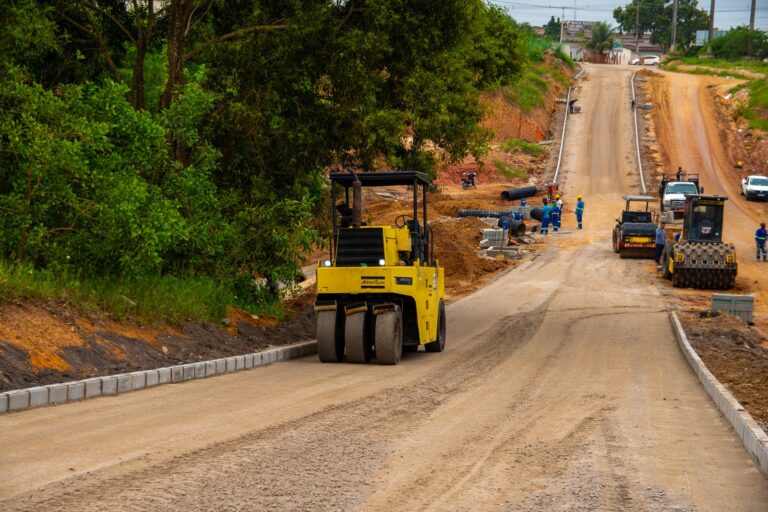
153, 378
124, 383
38, 396
138, 380
57, 393
92, 387
75, 391
109, 385
753, 438
20, 399
163, 375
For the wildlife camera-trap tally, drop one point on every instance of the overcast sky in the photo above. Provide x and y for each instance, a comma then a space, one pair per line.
728, 13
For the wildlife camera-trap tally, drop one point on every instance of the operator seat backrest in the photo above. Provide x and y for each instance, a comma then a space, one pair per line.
415, 227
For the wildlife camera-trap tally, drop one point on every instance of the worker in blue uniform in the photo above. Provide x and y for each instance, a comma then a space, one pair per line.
545, 218
555, 215
760, 236
579, 210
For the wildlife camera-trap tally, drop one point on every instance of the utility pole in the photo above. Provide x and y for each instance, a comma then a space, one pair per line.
562, 23
637, 28
751, 28
674, 27
711, 21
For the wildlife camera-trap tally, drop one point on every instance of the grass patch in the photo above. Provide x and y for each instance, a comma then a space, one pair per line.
528, 91
749, 65
756, 111
510, 171
526, 147
156, 300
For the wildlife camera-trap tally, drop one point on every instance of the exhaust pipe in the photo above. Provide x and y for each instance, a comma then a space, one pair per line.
357, 200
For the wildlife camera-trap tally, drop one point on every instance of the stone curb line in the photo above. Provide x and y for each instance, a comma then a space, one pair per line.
753, 437
20, 399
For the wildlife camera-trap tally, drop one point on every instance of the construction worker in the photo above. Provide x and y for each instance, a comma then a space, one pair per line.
556, 215
760, 236
579, 210
661, 241
546, 217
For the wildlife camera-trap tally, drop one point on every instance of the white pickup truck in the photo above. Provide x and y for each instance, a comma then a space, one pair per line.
673, 196
754, 187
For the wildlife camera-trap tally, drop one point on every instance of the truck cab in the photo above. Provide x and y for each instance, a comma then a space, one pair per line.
673, 192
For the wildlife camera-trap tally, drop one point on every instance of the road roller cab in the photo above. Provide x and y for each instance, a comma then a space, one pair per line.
381, 291
634, 235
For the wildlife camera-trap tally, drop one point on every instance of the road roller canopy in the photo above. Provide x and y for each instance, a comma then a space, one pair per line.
382, 179
642, 199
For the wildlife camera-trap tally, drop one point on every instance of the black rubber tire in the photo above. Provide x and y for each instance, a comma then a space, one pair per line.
615, 242
439, 344
389, 337
357, 344
330, 345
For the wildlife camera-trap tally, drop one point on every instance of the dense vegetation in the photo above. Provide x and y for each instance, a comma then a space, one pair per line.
147, 146
655, 17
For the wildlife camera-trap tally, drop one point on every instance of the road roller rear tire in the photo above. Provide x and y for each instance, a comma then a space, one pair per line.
389, 337
357, 344
330, 343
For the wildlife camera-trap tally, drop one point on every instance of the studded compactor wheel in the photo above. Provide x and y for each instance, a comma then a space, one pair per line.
330, 345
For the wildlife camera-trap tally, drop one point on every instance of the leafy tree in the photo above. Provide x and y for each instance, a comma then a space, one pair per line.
602, 38
739, 42
552, 29
655, 17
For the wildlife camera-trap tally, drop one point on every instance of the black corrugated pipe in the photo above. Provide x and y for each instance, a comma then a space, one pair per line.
516, 227
537, 213
484, 213
518, 193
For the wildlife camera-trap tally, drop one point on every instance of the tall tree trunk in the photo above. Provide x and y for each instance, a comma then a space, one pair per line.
138, 75
179, 16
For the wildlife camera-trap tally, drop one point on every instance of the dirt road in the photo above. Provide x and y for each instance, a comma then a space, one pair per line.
562, 389
689, 135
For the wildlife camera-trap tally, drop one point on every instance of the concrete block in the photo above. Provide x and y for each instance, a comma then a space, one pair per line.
221, 366
108, 385
249, 361
75, 391
3, 403
138, 380
177, 373
57, 393
189, 371
153, 379
239, 363
124, 383
163, 375
199, 370
231, 364
92, 388
38, 396
210, 368
18, 400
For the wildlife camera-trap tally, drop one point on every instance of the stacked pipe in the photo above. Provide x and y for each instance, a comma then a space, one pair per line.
518, 193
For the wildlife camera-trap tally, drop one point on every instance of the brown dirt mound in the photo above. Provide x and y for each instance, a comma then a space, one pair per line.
734, 353
457, 251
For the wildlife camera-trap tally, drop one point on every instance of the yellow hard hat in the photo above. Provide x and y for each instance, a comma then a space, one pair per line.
578, 197
557, 196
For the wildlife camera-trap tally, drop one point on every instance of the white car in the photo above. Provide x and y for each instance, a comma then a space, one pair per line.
755, 187
648, 60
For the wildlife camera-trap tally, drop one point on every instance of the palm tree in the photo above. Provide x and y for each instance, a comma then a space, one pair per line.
602, 38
